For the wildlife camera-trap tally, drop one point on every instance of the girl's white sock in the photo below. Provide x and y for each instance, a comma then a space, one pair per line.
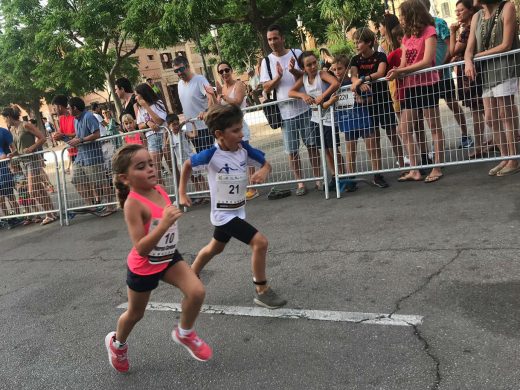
184, 332
118, 344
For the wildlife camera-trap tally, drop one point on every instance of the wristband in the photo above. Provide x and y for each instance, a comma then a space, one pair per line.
362, 78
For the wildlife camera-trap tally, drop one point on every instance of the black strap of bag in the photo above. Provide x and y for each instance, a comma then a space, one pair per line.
494, 21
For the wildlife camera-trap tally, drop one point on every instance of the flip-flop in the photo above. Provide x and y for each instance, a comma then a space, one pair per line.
433, 178
508, 171
48, 220
494, 171
404, 178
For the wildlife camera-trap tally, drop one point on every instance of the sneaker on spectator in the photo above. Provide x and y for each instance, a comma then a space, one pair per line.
466, 142
117, 357
252, 194
379, 181
269, 299
197, 347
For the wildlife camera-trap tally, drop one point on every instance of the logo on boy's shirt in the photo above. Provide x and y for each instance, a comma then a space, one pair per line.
226, 168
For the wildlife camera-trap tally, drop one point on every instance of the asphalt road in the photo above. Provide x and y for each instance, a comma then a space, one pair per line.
446, 251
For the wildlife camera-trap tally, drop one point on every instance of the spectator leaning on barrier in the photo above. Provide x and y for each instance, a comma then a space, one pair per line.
369, 66
27, 139
296, 115
446, 84
494, 31
196, 95
88, 175
421, 92
469, 92
125, 93
97, 111
151, 114
50, 130
6, 179
66, 131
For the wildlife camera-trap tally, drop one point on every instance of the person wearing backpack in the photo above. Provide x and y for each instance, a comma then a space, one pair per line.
278, 73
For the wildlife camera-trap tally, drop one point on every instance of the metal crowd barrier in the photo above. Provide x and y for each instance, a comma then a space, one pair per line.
464, 132
29, 188
97, 193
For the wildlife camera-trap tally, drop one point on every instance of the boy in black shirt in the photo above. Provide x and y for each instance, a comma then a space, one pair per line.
369, 66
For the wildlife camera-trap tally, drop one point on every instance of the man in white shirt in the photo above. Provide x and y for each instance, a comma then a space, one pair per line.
295, 114
195, 94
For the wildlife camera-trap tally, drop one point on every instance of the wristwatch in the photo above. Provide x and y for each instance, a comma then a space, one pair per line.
81, 140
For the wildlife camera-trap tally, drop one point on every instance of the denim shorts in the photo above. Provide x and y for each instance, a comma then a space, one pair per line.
295, 128
155, 142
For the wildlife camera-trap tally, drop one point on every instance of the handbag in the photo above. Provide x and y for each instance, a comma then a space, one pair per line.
272, 112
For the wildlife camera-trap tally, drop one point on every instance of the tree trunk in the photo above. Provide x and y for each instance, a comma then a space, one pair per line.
34, 111
110, 79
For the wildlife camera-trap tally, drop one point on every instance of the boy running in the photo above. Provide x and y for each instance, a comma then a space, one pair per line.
227, 163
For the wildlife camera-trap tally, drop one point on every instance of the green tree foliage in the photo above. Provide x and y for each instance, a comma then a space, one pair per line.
344, 15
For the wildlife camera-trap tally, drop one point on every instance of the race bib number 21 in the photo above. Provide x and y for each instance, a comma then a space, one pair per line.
231, 191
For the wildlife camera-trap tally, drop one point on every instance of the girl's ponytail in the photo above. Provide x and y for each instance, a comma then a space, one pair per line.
120, 163
122, 191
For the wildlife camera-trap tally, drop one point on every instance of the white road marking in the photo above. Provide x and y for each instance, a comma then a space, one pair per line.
318, 315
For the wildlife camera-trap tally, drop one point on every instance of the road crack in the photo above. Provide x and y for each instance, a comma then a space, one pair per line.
417, 332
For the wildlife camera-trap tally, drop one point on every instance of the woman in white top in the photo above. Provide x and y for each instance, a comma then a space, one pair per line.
151, 115
234, 91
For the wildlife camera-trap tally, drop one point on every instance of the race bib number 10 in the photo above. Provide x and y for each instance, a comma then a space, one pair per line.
167, 245
231, 191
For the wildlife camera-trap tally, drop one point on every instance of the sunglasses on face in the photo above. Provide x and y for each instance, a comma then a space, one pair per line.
225, 70
180, 70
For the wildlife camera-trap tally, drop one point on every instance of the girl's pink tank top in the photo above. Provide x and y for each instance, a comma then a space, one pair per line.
139, 264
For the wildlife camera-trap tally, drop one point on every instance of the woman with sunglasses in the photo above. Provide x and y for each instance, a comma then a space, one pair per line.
151, 115
234, 91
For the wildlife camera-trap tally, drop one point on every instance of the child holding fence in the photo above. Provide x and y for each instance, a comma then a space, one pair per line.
351, 116
318, 86
369, 66
227, 163
130, 125
152, 225
421, 90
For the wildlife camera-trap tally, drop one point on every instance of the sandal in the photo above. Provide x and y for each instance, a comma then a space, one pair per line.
48, 220
27, 222
278, 194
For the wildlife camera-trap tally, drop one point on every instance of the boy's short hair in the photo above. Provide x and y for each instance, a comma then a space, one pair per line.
60, 100
342, 59
366, 35
172, 118
77, 102
222, 117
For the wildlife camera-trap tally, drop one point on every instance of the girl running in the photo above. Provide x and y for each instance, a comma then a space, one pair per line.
151, 221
